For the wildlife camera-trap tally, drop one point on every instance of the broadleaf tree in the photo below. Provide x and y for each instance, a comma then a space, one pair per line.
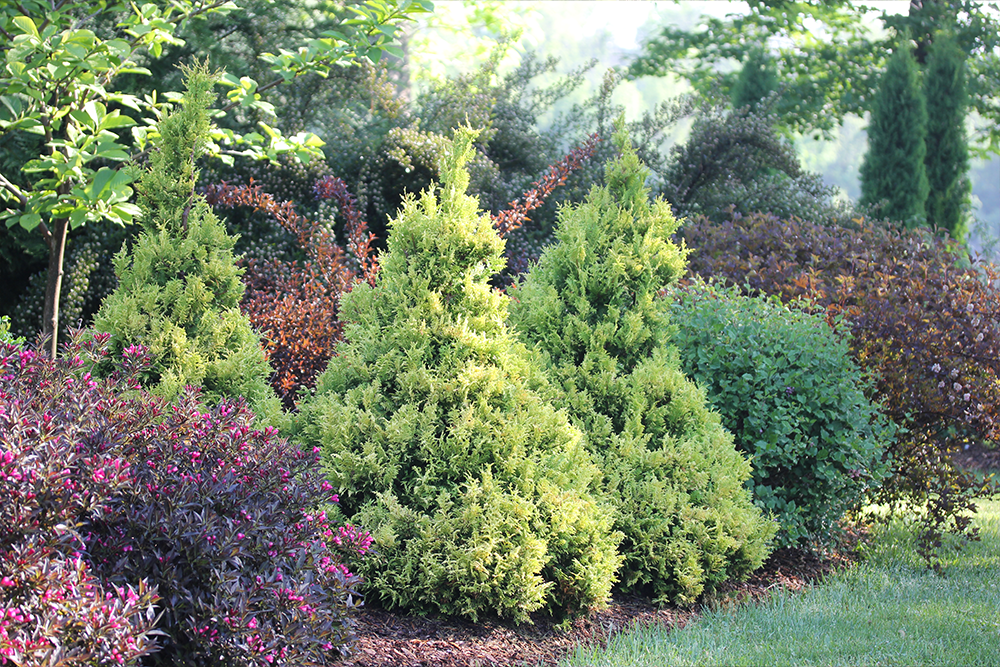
829, 55
58, 82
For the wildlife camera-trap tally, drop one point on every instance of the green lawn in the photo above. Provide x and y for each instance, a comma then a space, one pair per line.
887, 610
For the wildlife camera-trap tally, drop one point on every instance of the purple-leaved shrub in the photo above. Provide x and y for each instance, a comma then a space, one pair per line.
226, 521
54, 478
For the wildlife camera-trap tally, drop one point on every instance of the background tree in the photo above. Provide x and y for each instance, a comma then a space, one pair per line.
828, 57
58, 84
947, 160
893, 174
758, 79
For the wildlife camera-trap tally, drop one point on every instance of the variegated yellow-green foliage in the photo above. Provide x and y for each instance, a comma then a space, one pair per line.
179, 286
590, 307
476, 489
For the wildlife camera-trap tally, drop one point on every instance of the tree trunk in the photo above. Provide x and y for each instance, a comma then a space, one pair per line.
53, 288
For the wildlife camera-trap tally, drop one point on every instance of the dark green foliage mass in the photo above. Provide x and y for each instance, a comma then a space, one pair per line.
791, 394
947, 160
590, 306
734, 160
476, 490
758, 79
179, 287
893, 175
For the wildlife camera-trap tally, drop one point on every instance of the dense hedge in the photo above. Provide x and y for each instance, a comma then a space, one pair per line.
921, 320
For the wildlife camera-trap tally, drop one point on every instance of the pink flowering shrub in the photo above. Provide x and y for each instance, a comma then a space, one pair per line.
56, 474
111, 488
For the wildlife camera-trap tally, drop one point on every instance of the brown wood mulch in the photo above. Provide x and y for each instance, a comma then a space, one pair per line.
399, 640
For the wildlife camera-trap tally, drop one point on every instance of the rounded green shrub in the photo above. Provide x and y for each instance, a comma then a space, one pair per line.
476, 490
179, 287
789, 390
670, 469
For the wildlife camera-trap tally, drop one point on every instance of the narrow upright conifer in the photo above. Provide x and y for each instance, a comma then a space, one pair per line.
757, 80
179, 288
893, 174
590, 306
947, 160
476, 490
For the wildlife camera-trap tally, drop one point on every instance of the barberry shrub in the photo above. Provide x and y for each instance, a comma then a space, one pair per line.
670, 468
56, 476
179, 287
295, 304
920, 319
790, 392
476, 490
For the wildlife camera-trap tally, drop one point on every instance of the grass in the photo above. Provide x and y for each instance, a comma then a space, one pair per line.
887, 610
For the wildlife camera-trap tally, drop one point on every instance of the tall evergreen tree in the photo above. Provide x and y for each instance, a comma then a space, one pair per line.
757, 80
893, 172
476, 489
670, 468
947, 158
179, 287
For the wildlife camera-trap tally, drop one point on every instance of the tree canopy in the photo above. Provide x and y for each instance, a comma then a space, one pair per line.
829, 55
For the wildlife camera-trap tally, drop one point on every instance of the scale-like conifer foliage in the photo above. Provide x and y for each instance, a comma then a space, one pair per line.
893, 173
475, 489
179, 288
590, 307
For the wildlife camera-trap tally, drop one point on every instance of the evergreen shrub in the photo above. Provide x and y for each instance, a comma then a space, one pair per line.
476, 490
670, 469
794, 399
179, 287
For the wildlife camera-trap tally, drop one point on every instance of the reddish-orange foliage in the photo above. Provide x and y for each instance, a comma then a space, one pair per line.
516, 213
295, 306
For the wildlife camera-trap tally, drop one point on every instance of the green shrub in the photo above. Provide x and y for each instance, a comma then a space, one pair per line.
670, 468
787, 387
476, 490
179, 288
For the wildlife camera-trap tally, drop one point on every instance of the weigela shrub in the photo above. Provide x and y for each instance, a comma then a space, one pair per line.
921, 320
476, 490
57, 476
670, 469
794, 399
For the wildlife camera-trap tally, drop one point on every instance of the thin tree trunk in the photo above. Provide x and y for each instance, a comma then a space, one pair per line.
53, 288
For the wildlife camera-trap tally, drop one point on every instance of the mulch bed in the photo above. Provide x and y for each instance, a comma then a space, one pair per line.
387, 638
399, 640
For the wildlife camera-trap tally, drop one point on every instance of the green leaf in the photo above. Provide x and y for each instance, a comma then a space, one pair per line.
27, 26
30, 220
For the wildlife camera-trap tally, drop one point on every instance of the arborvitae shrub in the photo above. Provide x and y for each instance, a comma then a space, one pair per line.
670, 468
893, 174
791, 394
56, 476
947, 160
179, 288
920, 321
476, 490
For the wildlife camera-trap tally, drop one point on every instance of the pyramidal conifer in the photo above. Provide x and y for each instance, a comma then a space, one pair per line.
590, 306
476, 490
179, 288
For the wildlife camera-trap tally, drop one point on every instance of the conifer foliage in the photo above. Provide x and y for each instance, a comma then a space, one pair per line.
476, 490
590, 306
947, 159
179, 288
893, 173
